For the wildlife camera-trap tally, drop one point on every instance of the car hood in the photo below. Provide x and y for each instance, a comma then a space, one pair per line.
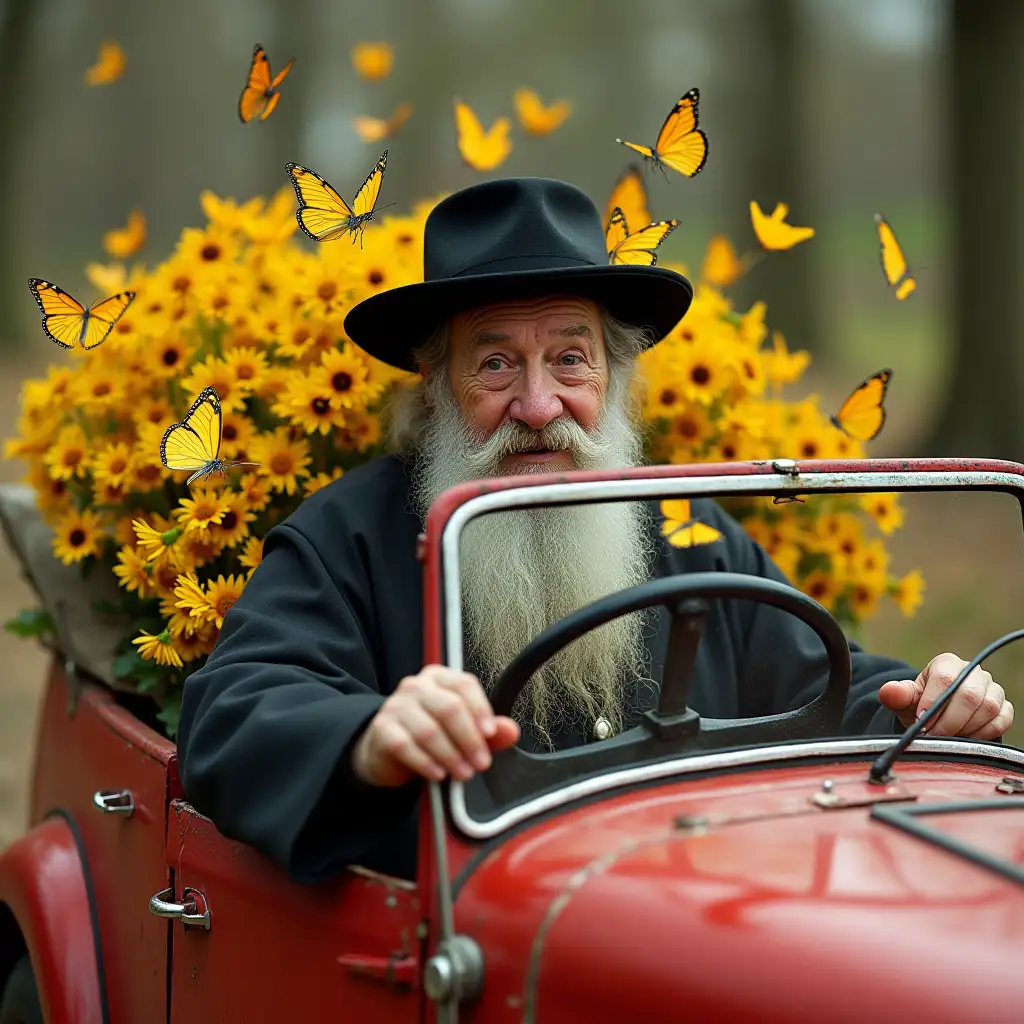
748, 897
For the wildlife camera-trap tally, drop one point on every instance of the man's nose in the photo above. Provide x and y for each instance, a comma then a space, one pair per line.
537, 403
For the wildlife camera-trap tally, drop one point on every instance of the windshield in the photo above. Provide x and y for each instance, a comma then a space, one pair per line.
906, 575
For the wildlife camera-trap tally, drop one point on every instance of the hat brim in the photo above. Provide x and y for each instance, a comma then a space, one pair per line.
390, 324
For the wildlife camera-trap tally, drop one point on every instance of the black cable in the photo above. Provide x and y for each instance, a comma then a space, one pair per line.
882, 765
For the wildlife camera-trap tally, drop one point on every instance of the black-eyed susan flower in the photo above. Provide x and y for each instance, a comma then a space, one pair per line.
321, 480
68, 456
158, 648
196, 644
908, 592
233, 527
252, 554
256, 490
248, 366
283, 461
205, 249
112, 464
192, 598
884, 509
204, 507
346, 373
133, 572
237, 432
78, 535
823, 587
169, 356
157, 543
221, 594
704, 370
215, 373
307, 402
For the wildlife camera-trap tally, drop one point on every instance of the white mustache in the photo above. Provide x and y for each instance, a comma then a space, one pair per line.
514, 437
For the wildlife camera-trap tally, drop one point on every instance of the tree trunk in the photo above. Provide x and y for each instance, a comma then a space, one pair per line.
982, 414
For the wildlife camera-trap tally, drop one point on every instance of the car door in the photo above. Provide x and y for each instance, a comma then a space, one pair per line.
252, 946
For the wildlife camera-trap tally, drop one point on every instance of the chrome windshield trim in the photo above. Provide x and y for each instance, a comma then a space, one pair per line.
1012, 757
587, 492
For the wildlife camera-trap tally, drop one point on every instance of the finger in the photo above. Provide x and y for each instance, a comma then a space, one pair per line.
449, 708
394, 740
995, 728
473, 693
901, 694
962, 705
506, 733
991, 705
431, 737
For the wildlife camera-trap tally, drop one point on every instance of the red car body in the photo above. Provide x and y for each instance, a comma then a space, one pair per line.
766, 885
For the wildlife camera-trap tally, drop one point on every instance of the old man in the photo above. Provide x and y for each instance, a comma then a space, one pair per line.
308, 731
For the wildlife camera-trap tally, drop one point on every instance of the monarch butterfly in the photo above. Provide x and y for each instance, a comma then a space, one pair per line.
630, 195
194, 443
680, 530
373, 129
260, 95
862, 415
894, 263
636, 249
66, 320
482, 150
534, 116
681, 144
323, 214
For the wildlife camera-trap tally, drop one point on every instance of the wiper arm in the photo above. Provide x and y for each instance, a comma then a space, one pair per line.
880, 772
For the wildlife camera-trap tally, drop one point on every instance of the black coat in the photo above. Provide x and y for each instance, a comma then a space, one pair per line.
331, 621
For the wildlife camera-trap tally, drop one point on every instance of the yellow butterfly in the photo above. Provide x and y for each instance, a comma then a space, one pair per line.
630, 196
260, 95
373, 60
483, 151
373, 129
323, 214
773, 232
194, 443
862, 415
636, 249
722, 267
894, 263
66, 321
535, 117
109, 66
681, 144
680, 530
126, 241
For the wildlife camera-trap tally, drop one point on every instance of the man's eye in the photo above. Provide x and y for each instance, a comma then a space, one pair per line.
494, 364
574, 356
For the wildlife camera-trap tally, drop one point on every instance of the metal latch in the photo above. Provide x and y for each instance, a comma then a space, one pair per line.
114, 801
859, 794
194, 911
1010, 784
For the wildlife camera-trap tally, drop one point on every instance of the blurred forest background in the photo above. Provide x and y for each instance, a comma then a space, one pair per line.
840, 108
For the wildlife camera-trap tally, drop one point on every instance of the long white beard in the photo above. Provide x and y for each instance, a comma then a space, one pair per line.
522, 570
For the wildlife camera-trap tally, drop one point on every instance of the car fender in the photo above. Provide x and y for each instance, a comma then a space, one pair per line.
44, 882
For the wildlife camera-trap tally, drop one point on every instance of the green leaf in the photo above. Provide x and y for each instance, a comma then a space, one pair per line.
108, 607
170, 714
31, 622
128, 665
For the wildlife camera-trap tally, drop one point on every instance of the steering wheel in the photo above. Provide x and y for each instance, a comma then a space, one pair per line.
672, 728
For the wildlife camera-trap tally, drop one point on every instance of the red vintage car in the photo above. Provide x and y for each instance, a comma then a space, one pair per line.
751, 870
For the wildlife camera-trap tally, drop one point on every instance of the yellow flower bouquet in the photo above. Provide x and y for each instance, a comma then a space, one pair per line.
241, 307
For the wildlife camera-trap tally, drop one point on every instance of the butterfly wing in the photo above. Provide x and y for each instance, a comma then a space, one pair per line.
638, 249
616, 232
894, 263
644, 151
906, 287
280, 76
63, 316
102, 316
194, 443
483, 151
366, 197
253, 98
862, 415
630, 196
681, 144
322, 213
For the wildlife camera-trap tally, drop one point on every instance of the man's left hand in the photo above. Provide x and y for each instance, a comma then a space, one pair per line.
978, 710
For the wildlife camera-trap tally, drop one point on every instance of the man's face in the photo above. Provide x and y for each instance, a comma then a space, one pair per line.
529, 363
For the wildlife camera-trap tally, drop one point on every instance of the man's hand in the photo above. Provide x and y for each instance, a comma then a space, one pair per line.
436, 723
978, 710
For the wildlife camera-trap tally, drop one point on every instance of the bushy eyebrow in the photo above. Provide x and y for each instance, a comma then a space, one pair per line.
575, 331
489, 338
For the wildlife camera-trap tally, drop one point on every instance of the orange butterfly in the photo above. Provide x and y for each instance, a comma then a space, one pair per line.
373, 129
482, 150
67, 322
260, 95
681, 144
630, 196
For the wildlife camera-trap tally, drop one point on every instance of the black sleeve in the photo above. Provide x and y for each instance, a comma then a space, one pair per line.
267, 722
783, 664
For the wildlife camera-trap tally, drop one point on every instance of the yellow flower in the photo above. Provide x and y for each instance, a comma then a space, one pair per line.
204, 250
282, 461
908, 592
158, 648
884, 509
215, 373
321, 480
112, 464
99, 389
822, 587
68, 457
221, 594
308, 402
53, 497
237, 432
347, 375
155, 410
78, 535
192, 598
256, 490
133, 572
773, 232
123, 242
234, 525
156, 545
248, 367
147, 471
870, 563
252, 554
863, 596
372, 60
781, 365
203, 508
703, 370
195, 644
169, 356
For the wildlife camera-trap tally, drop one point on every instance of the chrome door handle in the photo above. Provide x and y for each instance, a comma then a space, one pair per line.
114, 801
194, 911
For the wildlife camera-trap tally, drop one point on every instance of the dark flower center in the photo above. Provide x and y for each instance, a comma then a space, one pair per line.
809, 449
181, 283
687, 335
101, 389
375, 277
170, 356
210, 252
230, 520
321, 406
281, 463
77, 537
341, 381
667, 397
700, 375
327, 290
230, 432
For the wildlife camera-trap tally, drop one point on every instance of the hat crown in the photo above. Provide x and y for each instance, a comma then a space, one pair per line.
512, 224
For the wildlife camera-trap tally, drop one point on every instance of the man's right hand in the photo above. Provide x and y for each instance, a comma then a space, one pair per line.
437, 723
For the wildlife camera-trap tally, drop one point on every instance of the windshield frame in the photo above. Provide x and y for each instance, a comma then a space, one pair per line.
457, 507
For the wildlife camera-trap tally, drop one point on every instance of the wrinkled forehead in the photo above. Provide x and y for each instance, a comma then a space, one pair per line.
527, 320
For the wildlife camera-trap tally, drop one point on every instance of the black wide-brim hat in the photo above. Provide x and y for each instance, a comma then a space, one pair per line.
509, 239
